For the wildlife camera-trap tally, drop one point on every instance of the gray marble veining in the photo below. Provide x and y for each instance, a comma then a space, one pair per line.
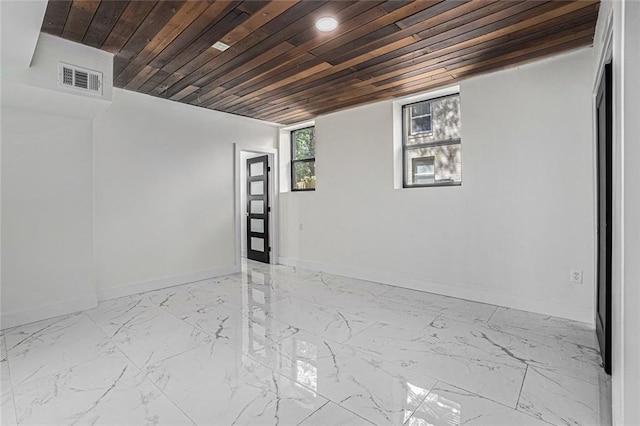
448, 405
215, 384
277, 345
44, 347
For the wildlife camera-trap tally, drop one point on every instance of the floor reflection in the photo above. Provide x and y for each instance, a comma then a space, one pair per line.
300, 356
437, 409
304, 362
256, 317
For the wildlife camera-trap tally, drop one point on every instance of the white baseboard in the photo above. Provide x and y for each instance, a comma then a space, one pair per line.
576, 313
156, 284
14, 319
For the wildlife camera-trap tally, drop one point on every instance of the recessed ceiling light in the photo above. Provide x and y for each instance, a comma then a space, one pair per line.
220, 46
327, 24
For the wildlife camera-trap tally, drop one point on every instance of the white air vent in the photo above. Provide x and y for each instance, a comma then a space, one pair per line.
73, 77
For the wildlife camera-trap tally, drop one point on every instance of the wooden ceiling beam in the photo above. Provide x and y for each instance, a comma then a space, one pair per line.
200, 51
449, 77
129, 21
413, 57
457, 65
280, 68
55, 16
438, 15
79, 19
465, 11
496, 17
180, 20
454, 48
446, 60
257, 21
275, 52
455, 71
143, 76
257, 84
267, 37
297, 66
156, 20
388, 19
192, 42
503, 15
350, 17
330, 69
104, 20
194, 32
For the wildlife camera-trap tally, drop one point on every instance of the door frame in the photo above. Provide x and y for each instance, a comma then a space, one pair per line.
240, 211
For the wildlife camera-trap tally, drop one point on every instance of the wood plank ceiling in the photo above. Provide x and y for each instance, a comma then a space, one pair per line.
281, 69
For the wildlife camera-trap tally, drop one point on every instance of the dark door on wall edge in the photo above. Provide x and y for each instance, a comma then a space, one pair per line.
258, 210
604, 117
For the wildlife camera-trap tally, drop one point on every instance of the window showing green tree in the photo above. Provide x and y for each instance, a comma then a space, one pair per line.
303, 159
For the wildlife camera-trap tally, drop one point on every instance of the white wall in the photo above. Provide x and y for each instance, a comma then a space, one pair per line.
47, 178
159, 212
617, 39
631, 296
140, 198
522, 219
164, 189
21, 22
47, 215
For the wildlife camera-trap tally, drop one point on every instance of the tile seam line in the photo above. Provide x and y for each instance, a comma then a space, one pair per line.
30, 378
268, 367
435, 386
140, 369
13, 397
524, 377
315, 411
492, 314
520, 394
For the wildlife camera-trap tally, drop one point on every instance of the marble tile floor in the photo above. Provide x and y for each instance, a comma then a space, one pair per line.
276, 345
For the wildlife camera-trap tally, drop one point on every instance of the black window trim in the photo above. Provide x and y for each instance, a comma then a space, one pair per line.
304, 160
405, 134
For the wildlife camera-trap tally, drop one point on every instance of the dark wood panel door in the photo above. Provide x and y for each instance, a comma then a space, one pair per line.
258, 209
604, 118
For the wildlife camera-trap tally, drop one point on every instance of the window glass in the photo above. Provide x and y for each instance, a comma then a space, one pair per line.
304, 144
431, 142
421, 125
423, 170
443, 121
303, 161
304, 175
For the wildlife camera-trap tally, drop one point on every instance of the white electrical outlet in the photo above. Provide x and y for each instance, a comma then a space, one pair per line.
300, 226
576, 277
